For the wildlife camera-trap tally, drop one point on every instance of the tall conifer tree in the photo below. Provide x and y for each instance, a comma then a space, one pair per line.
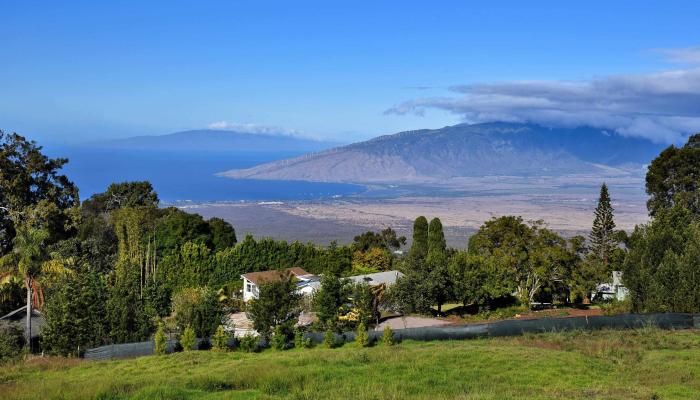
419, 247
602, 235
436, 237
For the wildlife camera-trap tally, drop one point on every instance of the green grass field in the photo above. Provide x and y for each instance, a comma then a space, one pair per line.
643, 364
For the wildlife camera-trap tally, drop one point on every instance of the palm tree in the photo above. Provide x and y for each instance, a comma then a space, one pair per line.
26, 260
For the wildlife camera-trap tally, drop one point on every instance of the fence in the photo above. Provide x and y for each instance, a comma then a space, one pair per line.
458, 332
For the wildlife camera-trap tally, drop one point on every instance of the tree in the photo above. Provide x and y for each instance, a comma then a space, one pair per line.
75, 315
661, 269
477, 280
530, 258
27, 261
123, 195
387, 239
277, 305
27, 178
126, 310
419, 247
197, 308
410, 294
370, 261
222, 234
364, 304
674, 178
436, 239
328, 300
602, 237
438, 279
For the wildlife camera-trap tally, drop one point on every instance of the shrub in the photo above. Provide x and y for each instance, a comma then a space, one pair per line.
279, 339
388, 336
198, 308
362, 338
11, 342
249, 343
220, 339
616, 307
329, 339
300, 342
161, 340
188, 339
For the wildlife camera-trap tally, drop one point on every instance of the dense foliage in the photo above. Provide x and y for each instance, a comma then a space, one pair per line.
112, 269
674, 178
276, 308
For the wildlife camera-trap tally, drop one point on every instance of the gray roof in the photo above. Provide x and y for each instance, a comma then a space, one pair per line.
387, 277
19, 318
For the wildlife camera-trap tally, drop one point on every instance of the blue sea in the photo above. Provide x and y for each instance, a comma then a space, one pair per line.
189, 176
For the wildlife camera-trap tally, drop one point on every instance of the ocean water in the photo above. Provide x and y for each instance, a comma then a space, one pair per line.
189, 176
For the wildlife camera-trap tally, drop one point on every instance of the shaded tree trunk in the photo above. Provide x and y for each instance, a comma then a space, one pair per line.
28, 329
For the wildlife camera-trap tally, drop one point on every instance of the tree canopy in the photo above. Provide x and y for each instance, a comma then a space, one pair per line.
28, 178
674, 178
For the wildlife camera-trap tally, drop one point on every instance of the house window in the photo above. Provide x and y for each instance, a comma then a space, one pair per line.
249, 287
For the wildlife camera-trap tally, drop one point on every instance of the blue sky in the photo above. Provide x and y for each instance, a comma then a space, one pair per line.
77, 71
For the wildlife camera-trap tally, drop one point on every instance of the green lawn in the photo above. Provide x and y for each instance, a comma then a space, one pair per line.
644, 364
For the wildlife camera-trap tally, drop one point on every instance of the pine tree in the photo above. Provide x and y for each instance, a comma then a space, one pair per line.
602, 235
419, 247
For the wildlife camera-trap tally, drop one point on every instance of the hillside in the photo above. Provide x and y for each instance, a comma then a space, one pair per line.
645, 364
439, 155
218, 141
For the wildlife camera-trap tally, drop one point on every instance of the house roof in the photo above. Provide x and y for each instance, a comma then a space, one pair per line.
20, 313
18, 317
386, 277
272, 275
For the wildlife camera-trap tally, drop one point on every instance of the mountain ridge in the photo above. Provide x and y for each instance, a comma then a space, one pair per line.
439, 155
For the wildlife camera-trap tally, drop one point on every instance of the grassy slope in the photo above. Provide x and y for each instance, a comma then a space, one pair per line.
633, 364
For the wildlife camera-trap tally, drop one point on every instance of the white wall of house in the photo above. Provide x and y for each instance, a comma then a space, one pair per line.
250, 290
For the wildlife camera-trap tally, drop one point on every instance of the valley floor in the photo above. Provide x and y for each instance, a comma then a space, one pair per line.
341, 220
642, 364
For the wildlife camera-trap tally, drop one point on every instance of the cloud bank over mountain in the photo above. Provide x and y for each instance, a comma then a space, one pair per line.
661, 106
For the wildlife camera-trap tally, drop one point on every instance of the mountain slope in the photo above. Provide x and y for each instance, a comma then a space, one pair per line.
463, 150
218, 140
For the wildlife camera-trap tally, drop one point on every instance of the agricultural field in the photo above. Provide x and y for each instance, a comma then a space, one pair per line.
642, 364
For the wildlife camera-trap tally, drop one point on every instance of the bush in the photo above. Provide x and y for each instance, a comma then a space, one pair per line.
329, 339
279, 339
11, 342
300, 342
220, 339
198, 308
362, 337
188, 339
388, 336
161, 340
249, 343
616, 307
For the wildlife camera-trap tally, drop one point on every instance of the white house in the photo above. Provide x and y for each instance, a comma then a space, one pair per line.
612, 290
306, 282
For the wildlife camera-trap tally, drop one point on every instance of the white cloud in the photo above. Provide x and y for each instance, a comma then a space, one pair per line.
662, 106
253, 128
688, 55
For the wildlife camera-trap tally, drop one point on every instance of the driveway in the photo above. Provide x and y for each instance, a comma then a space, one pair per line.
410, 322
